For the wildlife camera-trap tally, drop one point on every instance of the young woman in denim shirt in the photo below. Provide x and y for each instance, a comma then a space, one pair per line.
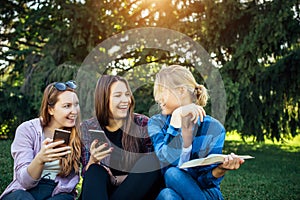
183, 132
42, 171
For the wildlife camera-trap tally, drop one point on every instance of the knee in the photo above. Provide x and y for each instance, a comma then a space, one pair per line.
18, 195
95, 170
173, 173
168, 193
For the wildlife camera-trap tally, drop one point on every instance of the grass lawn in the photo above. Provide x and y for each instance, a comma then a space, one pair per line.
273, 174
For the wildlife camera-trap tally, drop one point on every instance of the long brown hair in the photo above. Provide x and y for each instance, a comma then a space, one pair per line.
130, 138
72, 161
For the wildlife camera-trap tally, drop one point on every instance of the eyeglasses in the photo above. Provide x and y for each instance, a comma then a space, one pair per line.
63, 86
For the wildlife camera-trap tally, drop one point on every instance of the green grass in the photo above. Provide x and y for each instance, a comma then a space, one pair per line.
6, 164
273, 174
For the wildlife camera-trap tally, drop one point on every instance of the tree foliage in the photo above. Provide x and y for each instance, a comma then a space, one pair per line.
255, 42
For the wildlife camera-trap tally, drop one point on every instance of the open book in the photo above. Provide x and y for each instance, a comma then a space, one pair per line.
210, 159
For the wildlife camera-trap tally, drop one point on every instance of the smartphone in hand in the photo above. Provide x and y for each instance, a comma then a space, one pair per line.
100, 136
60, 134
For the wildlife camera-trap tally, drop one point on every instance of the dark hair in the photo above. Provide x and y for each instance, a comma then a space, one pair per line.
72, 161
131, 137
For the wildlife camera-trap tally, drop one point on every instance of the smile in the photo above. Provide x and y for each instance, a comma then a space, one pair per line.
73, 117
123, 107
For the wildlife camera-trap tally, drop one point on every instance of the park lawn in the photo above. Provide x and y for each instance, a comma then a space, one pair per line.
273, 174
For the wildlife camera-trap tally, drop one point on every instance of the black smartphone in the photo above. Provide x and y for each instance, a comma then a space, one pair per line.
60, 134
100, 136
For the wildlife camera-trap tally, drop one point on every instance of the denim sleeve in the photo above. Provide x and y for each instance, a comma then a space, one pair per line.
22, 150
204, 174
206, 179
166, 139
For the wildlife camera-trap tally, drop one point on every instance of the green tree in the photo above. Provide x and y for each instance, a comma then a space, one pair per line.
253, 41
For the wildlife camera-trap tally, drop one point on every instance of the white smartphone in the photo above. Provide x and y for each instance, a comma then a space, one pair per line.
100, 136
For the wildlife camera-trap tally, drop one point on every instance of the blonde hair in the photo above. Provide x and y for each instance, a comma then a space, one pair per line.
175, 76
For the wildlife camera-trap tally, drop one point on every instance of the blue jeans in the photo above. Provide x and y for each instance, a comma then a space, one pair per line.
180, 185
42, 191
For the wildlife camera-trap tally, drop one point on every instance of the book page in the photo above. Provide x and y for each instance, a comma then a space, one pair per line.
210, 159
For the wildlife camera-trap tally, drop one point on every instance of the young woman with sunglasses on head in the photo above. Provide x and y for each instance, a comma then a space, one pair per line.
127, 169
183, 132
42, 170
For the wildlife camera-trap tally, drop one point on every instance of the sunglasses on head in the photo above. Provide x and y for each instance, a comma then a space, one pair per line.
63, 86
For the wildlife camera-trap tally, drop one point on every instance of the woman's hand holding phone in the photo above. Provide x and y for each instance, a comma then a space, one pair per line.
100, 147
99, 152
49, 153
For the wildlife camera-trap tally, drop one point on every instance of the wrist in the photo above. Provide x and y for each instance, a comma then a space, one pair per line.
39, 160
222, 168
218, 172
91, 161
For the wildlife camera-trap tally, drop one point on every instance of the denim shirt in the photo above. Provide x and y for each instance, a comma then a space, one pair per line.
27, 143
209, 137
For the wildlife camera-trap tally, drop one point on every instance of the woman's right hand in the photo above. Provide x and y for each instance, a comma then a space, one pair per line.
49, 153
187, 113
98, 152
